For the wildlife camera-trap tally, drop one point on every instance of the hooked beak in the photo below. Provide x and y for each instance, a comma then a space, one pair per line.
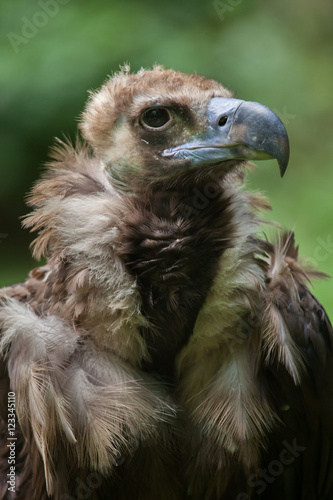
236, 130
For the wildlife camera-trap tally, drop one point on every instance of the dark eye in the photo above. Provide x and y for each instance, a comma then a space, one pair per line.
156, 118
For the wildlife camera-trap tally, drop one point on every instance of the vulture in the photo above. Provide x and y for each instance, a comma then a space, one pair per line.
165, 348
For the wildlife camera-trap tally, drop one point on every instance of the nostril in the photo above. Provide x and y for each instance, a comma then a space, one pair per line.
223, 120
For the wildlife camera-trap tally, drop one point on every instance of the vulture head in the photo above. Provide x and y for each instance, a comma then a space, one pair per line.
161, 128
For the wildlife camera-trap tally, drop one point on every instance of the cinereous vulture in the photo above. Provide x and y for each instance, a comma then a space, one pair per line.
166, 350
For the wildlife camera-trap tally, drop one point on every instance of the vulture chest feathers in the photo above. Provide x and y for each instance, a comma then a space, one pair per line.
165, 350
173, 252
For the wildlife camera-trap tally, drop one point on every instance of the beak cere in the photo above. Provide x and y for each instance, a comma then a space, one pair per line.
236, 130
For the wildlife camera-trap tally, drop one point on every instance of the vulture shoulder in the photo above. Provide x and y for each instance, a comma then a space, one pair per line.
299, 459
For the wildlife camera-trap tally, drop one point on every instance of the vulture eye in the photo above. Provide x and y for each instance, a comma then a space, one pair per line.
156, 118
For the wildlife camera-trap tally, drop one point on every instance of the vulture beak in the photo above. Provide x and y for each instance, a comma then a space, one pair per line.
236, 130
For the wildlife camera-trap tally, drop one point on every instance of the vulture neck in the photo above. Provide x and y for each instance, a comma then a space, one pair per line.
164, 259
174, 243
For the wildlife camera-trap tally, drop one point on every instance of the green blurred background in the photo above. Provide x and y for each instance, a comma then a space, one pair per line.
277, 53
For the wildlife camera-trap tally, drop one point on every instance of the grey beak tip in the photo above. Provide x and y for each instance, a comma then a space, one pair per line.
283, 168
283, 157
263, 131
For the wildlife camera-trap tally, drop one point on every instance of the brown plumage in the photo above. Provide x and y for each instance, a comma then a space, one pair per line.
165, 350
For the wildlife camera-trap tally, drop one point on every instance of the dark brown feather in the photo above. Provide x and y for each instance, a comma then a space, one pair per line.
174, 259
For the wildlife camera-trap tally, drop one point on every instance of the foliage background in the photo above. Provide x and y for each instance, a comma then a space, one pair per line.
277, 53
